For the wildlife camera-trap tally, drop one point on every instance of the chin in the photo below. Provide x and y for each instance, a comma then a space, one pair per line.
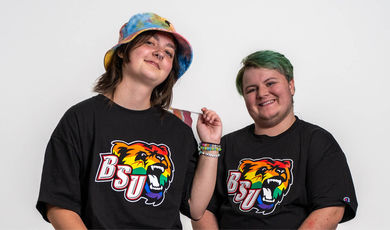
270, 121
153, 81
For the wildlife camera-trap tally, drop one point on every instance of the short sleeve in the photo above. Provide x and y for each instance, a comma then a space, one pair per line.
60, 183
329, 181
191, 168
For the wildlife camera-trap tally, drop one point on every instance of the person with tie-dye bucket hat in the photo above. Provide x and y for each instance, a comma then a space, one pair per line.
119, 159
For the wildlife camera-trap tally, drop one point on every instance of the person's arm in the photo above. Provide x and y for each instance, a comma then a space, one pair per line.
208, 221
62, 218
324, 218
209, 128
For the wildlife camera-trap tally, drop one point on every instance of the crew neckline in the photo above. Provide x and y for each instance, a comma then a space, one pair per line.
114, 105
264, 137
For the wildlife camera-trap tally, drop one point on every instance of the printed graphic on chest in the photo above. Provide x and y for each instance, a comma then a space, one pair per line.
260, 184
139, 169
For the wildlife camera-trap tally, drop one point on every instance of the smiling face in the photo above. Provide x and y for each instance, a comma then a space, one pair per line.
268, 96
151, 61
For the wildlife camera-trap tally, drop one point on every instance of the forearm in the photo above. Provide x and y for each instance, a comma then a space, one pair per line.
208, 221
64, 219
203, 185
324, 218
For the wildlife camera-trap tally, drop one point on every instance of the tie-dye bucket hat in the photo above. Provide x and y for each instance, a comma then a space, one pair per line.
140, 23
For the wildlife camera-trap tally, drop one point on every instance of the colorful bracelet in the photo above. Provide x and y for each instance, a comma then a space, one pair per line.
205, 146
209, 154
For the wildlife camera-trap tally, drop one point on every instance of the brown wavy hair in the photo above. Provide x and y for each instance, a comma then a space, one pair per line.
107, 82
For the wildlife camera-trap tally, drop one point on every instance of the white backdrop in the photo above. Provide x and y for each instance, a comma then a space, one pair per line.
52, 52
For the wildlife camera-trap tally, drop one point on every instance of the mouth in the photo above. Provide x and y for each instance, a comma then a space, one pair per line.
155, 64
268, 189
269, 102
154, 172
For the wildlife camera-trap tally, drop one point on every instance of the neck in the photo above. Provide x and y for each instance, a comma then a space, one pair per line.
274, 130
131, 95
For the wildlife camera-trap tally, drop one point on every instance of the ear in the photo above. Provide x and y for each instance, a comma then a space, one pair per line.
164, 149
291, 86
118, 148
287, 163
245, 165
120, 54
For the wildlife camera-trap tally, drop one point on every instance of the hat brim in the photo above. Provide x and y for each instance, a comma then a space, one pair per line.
183, 52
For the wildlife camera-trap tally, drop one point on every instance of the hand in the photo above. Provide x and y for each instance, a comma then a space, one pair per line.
209, 126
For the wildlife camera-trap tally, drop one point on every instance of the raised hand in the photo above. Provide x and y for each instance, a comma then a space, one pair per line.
209, 126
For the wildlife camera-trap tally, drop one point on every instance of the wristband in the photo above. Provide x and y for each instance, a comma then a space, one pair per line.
205, 146
209, 154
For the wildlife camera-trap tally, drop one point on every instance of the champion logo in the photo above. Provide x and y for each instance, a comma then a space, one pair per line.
346, 199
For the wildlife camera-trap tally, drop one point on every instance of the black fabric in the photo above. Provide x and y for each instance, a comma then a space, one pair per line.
319, 177
81, 156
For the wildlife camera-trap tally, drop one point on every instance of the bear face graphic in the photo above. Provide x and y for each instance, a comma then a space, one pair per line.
272, 177
151, 160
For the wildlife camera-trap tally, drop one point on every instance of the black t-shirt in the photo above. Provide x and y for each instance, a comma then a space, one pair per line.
276, 182
119, 168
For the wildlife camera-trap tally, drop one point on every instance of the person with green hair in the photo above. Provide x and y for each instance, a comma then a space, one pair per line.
280, 172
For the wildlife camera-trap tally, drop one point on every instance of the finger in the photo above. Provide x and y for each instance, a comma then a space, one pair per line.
214, 119
200, 119
208, 113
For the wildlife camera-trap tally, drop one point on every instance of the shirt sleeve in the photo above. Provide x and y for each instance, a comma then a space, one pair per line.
60, 183
329, 181
191, 168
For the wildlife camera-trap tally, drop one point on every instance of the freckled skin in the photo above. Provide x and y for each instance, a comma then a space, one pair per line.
151, 62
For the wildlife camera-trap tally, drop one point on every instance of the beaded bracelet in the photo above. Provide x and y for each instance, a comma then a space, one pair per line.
209, 155
205, 146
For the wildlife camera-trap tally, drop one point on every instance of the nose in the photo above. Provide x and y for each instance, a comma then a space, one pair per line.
262, 92
158, 54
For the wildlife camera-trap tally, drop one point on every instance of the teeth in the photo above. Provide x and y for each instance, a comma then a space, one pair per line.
274, 180
267, 102
156, 188
154, 184
154, 167
267, 195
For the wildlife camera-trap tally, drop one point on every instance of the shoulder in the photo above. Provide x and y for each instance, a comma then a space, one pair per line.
240, 133
171, 122
78, 114
175, 120
89, 104
319, 140
314, 131
84, 111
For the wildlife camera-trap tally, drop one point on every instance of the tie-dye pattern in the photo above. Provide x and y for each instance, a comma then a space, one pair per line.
149, 21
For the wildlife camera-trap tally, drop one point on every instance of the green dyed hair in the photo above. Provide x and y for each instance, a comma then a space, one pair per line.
265, 59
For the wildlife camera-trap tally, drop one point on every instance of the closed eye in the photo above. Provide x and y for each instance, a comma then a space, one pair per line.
148, 42
250, 90
169, 53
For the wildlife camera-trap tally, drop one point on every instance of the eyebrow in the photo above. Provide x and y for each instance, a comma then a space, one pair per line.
169, 44
271, 78
266, 80
250, 86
